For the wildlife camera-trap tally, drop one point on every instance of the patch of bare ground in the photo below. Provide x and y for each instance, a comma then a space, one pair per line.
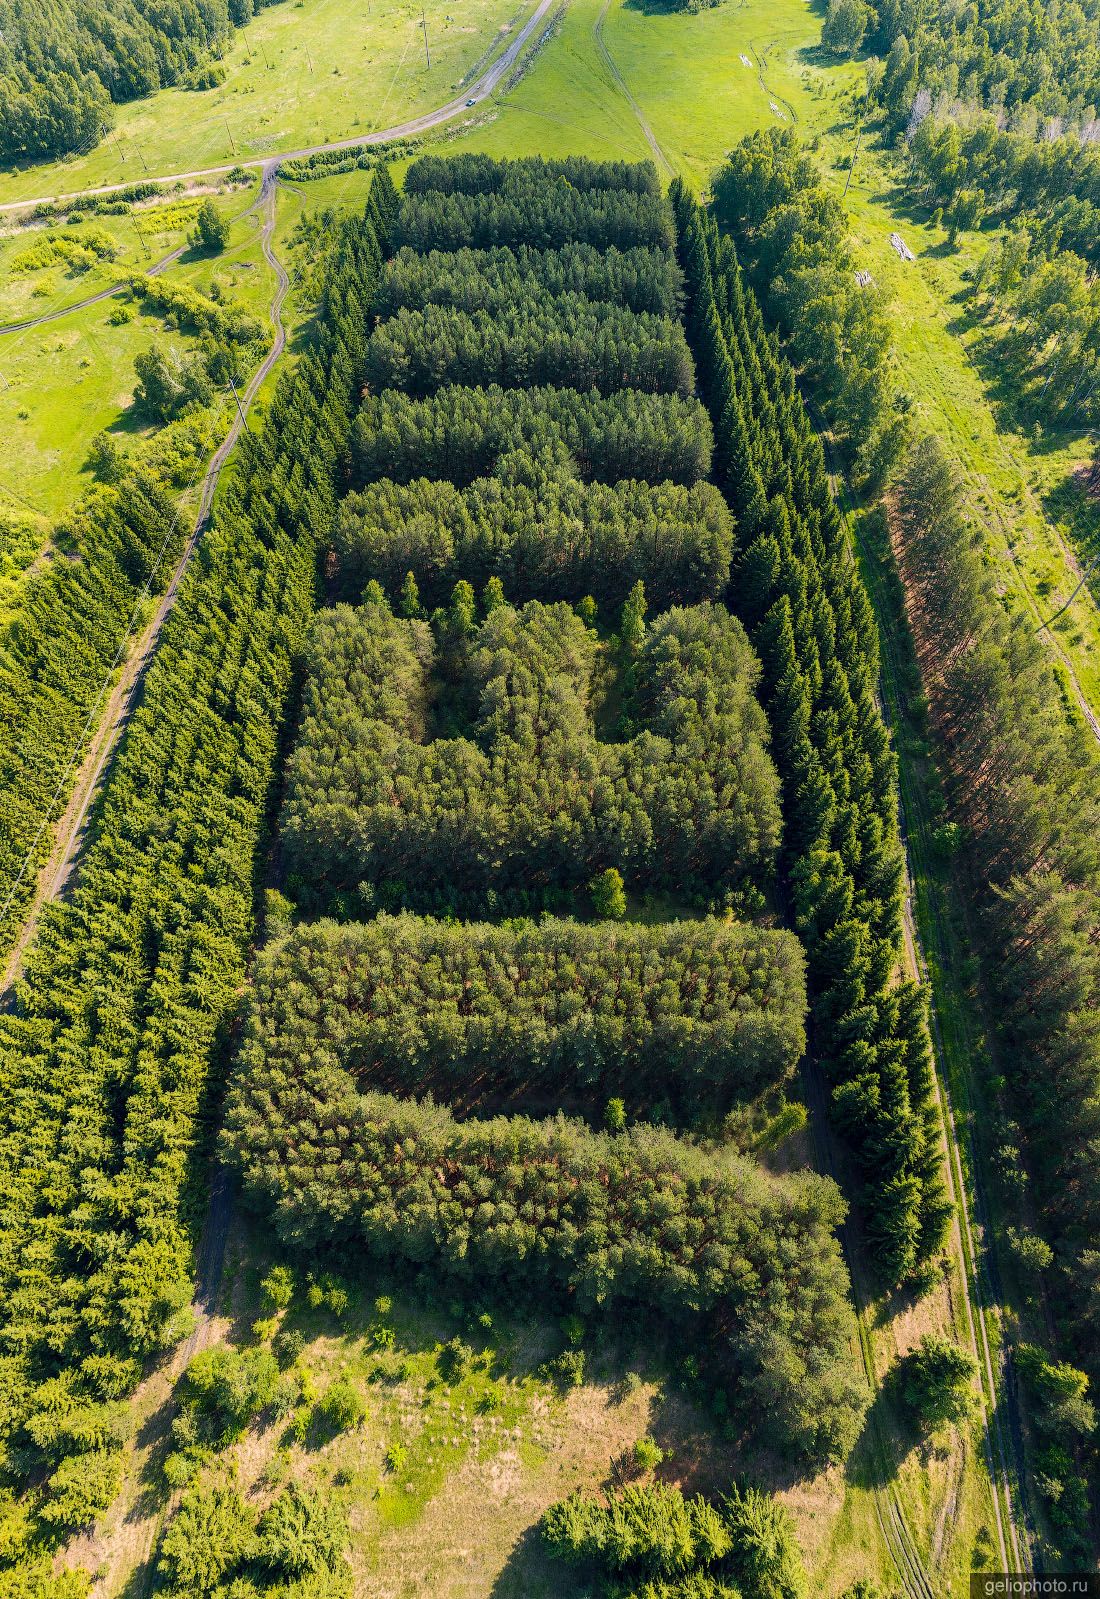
478, 1536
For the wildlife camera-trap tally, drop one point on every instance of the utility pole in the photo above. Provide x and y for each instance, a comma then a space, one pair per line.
859, 136
424, 24
263, 52
141, 238
229, 130
141, 158
237, 397
309, 58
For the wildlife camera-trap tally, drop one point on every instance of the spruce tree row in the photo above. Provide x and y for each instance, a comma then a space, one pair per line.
809, 617
461, 433
641, 279
702, 1013
542, 532
569, 341
529, 175
122, 1015
533, 213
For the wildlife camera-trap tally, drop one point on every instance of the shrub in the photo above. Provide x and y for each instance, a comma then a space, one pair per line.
647, 1454
342, 1408
211, 227
608, 895
230, 1386
936, 1382
765, 1557
278, 1287
647, 1530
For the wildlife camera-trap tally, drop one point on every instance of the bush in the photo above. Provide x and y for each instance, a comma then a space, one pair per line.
288, 1346
608, 896
455, 1359
342, 1408
278, 1287
647, 1454
646, 1531
106, 458
230, 1386
936, 1382
211, 228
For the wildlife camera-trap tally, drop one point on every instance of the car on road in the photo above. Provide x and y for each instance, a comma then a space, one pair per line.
470, 103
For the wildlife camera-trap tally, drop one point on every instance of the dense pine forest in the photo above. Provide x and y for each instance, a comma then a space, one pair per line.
498, 892
499, 754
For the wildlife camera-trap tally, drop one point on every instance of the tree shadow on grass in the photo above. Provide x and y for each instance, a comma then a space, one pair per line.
888, 1438
530, 1573
1076, 509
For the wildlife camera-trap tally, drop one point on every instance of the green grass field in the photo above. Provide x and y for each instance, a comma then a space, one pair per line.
66, 381
302, 72
685, 71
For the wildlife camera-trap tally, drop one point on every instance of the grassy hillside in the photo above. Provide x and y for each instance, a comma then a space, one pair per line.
66, 381
301, 73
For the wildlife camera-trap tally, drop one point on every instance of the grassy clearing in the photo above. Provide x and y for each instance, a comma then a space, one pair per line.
66, 381
444, 1479
303, 72
64, 384
144, 236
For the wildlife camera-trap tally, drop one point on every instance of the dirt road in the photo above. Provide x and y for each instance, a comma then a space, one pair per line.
400, 130
112, 710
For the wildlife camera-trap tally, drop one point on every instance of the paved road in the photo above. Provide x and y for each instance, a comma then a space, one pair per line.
401, 130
